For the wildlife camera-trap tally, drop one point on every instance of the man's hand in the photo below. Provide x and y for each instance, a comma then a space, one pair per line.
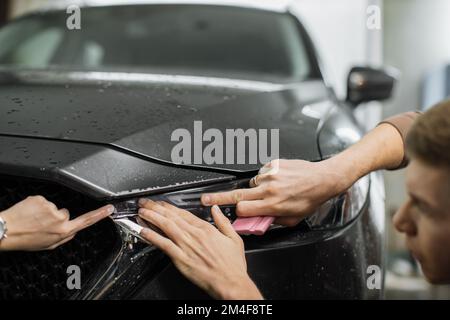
293, 189
213, 259
287, 189
36, 224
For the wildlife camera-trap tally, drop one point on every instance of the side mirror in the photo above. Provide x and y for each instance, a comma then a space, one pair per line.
367, 84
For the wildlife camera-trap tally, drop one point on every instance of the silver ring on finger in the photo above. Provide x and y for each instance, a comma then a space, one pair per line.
254, 181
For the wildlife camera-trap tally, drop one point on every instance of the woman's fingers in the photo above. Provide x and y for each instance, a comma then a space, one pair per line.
178, 230
165, 218
89, 218
222, 223
175, 224
169, 210
167, 226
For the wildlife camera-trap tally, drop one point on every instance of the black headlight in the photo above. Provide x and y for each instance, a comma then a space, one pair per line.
341, 210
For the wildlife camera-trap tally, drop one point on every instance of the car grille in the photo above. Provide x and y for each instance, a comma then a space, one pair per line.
42, 275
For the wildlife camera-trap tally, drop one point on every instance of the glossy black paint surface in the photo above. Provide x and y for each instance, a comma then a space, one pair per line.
80, 133
141, 118
98, 171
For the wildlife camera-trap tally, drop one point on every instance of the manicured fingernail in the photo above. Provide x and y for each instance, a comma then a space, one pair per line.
143, 201
206, 199
216, 208
141, 210
110, 208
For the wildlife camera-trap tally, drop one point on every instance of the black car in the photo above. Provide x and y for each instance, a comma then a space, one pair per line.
86, 117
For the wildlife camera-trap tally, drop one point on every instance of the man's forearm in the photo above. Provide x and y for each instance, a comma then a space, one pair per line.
381, 148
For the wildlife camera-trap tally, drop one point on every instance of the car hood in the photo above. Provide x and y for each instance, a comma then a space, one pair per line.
139, 115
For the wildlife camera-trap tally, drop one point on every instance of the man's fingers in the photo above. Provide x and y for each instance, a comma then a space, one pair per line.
260, 179
164, 244
90, 218
254, 181
222, 223
64, 213
254, 208
270, 167
232, 197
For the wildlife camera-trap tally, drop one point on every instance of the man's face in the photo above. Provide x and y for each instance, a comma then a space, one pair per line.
425, 219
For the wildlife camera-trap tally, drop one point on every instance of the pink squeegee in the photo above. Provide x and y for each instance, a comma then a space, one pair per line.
253, 225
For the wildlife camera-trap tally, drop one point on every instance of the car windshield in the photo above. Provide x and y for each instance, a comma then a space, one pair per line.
171, 39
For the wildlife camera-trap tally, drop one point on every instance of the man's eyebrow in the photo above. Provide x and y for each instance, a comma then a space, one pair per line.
417, 198
420, 200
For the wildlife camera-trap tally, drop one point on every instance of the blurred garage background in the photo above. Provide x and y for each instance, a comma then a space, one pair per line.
414, 39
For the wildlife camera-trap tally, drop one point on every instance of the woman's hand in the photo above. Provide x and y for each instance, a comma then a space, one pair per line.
36, 224
213, 259
287, 189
